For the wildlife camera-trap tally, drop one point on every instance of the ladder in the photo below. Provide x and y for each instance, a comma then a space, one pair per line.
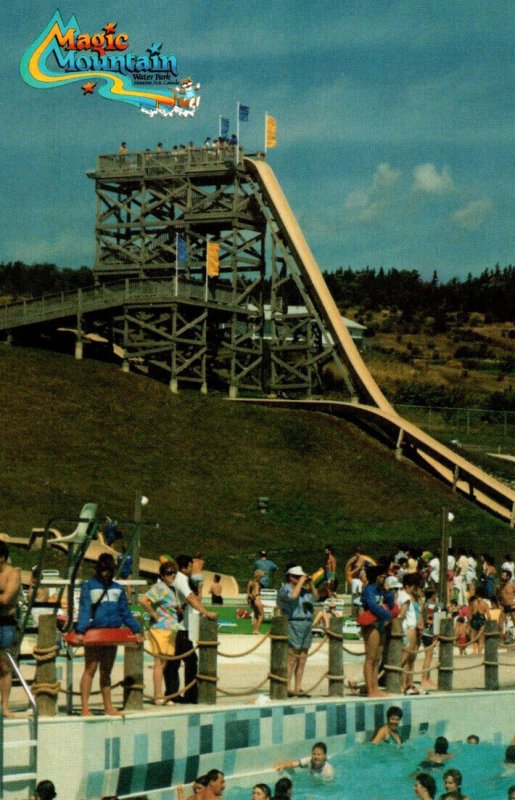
29, 775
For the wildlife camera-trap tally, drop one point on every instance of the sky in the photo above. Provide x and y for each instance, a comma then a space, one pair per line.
394, 118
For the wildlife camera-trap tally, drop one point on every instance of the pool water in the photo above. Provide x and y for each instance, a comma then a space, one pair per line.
369, 772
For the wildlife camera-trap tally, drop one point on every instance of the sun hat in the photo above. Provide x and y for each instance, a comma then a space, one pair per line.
392, 583
297, 571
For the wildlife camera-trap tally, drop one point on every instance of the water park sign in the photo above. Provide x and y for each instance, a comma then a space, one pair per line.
102, 62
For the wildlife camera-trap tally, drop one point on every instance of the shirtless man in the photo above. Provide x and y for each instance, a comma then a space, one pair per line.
10, 581
505, 596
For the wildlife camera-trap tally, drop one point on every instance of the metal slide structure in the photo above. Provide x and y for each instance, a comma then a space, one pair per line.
373, 408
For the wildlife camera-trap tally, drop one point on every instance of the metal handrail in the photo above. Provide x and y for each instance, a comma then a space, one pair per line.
32, 742
17, 671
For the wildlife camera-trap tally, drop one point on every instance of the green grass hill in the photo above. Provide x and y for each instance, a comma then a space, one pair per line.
84, 431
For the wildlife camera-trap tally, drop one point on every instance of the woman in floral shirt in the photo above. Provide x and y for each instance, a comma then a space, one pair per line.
160, 602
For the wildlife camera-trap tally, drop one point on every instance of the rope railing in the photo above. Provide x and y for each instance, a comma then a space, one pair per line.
279, 675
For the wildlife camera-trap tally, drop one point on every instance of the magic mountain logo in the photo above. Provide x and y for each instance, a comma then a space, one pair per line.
103, 63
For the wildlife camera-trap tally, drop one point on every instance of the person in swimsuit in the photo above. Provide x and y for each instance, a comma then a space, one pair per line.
452, 779
389, 733
437, 755
10, 582
505, 597
379, 603
254, 600
425, 786
479, 613
316, 764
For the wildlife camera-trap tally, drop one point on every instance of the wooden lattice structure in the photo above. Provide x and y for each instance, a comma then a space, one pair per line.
156, 213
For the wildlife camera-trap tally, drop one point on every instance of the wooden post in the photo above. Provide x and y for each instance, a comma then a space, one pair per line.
279, 658
446, 667
133, 677
45, 668
491, 655
207, 660
393, 658
335, 657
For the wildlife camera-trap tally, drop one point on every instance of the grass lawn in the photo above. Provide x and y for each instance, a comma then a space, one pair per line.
78, 432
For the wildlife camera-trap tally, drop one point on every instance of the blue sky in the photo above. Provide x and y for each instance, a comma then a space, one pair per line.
394, 123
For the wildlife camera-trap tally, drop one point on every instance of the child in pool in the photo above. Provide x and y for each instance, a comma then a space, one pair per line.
389, 733
316, 764
452, 779
438, 755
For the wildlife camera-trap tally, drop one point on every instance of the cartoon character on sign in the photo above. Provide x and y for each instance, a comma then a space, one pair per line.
188, 96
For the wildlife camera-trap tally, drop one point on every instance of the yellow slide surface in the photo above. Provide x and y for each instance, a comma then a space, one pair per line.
451, 467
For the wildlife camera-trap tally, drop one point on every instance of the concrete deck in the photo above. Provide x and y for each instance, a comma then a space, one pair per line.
240, 676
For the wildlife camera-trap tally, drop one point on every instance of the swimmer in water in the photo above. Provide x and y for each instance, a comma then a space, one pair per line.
389, 733
261, 791
425, 786
452, 779
316, 764
473, 739
437, 755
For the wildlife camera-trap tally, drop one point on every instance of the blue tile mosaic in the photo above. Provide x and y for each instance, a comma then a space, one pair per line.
310, 726
206, 739
140, 749
236, 734
192, 769
359, 725
167, 744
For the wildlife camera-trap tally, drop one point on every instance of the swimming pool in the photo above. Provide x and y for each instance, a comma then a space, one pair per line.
387, 773
151, 751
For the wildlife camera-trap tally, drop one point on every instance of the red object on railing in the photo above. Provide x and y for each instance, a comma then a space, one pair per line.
101, 636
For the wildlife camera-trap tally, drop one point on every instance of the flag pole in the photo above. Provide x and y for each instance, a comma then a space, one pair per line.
238, 122
266, 118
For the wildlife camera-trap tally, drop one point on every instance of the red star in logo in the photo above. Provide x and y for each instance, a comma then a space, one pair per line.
110, 27
88, 87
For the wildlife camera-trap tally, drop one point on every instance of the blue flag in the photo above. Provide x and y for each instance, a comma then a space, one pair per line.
224, 127
243, 112
182, 251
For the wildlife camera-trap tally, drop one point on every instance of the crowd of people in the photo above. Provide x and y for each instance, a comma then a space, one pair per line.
218, 144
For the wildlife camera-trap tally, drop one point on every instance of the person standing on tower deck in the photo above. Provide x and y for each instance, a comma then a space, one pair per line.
187, 600
10, 582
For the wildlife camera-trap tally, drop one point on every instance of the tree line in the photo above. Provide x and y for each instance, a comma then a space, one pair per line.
491, 293
19, 280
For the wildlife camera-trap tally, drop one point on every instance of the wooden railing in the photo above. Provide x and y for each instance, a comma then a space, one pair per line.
109, 295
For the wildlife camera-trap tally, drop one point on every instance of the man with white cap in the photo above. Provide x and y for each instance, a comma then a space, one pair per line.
295, 600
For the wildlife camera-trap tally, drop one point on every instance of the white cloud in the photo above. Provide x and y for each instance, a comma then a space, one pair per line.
427, 179
473, 215
368, 202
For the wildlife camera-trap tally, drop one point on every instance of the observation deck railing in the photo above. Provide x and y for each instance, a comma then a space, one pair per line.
109, 295
169, 162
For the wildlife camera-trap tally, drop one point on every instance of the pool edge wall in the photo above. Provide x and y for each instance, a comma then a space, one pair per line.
151, 751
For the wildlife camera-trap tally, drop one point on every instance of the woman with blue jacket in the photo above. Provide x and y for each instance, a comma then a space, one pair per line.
103, 604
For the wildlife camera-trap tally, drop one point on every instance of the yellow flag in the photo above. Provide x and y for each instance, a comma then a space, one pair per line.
212, 259
271, 126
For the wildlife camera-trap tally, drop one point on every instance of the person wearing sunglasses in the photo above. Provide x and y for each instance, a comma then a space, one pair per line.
160, 603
